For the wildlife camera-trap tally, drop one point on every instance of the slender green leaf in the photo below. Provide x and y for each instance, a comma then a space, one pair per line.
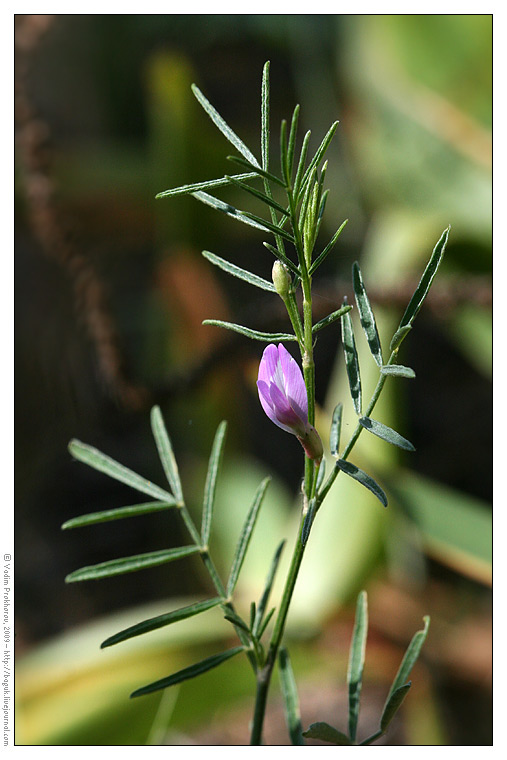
319, 155
301, 164
235, 619
165, 452
211, 481
223, 126
397, 370
366, 314
292, 141
336, 426
265, 622
246, 534
351, 361
228, 210
283, 152
399, 336
130, 564
99, 461
253, 168
107, 515
264, 224
259, 614
331, 318
393, 704
242, 274
386, 433
265, 117
290, 698
329, 247
191, 672
410, 658
253, 612
161, 620
326, 733
350, 469
425, 283
321, 475
260, 196
356, 662
307, 524
205, 185
254, 334
279, 255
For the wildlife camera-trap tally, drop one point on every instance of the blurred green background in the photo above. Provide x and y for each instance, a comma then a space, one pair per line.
110, 293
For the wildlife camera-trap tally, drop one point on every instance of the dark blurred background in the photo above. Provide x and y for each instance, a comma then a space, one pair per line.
111, 290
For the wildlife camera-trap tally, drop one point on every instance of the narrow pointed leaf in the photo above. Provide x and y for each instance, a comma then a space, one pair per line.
254, 334
331, 318
191, 672
425, 283
399, 336
259, 195
280, 255
351, 361
209, 184
329, 247
410, 658
264, 224
290, 698
165, 452
223, 126
386, 433
292, 140
366, 315
228, 210
236, 620
319, 154
246, 534
326, 733
301, 165
242, 274
393, 705
336, 426
211, 481
107, 515
253, 168
259, 614
350, 469
265, 117
397, 370
356, 662
309, 517
283, 152
130, 564
321, 475
265, 622
152, 624
99, 461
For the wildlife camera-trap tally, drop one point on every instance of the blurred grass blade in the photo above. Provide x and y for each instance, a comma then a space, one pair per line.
397, 370
229, 210
351, 361
425, 283
329, 247
326, 733
331, 318
259, 614
160, 621
246, 534
254, 334
205, 185
107, 515
356, 662
265, 117
191, 672
411, 655
393, 704
242, 274
130, 564
350, 469
259, 195
280, 255
290, 698
386, 433
318, 156
366, 315
224, 127
99, 461
399, 336
336, 426
211, 481
165, 452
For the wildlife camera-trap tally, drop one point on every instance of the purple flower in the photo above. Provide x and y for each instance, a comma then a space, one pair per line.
282, 393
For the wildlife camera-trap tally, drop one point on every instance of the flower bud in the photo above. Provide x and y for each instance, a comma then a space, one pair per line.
281, 279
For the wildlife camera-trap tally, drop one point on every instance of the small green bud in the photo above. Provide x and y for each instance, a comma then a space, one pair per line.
281, 279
